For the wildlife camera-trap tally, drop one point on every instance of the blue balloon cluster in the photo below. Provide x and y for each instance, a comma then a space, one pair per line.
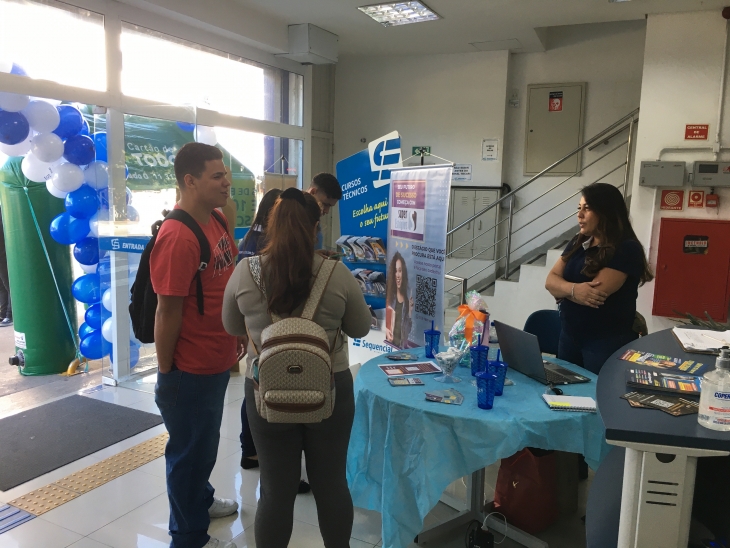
14, 127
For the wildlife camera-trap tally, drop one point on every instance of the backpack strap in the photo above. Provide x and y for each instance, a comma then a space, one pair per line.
185, 218
320, 284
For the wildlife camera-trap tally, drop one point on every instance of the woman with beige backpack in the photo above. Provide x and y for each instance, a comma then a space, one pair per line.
295, 307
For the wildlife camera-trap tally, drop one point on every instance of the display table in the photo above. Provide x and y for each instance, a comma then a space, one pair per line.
404, 451
660, 458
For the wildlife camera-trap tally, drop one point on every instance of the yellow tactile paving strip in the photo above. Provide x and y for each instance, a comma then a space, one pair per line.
60, 492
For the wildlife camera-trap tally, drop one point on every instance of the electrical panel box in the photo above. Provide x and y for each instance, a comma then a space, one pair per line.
692, 269
711, 174
662, 174
465, 203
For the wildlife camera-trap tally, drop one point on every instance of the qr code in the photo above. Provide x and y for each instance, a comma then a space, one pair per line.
426, 295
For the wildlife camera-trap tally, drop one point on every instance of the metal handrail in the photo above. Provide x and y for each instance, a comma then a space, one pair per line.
629, 121
585, 145
607, 139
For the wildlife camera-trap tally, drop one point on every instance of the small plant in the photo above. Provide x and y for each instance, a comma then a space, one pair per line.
705, 324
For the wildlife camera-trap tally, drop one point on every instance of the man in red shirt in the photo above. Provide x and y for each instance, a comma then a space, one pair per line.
194, 352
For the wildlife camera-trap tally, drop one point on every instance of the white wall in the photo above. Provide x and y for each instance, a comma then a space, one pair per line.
681, 85
450, 102
609, 58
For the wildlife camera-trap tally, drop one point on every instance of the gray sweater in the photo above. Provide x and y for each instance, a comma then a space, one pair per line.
343, 305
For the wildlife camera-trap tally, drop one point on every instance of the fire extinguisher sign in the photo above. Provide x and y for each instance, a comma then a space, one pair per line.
556, 101
672, 200
696, 198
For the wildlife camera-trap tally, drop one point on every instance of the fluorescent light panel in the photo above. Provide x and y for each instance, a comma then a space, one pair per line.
399, 13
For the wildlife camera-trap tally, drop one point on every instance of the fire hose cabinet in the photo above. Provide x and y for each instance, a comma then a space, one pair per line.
693, 269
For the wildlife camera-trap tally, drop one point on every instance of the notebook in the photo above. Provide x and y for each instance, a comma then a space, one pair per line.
570, 403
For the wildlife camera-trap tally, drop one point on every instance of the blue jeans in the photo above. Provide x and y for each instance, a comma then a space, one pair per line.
592, 354
192, 410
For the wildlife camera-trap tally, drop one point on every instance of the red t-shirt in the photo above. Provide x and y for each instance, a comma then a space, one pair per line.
203, 347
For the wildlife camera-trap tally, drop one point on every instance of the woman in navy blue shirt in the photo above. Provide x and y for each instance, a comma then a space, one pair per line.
597, 278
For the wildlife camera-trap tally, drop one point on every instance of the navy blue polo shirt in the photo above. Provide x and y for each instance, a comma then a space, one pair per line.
616, 315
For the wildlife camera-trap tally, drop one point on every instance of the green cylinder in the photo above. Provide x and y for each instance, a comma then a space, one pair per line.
41, 329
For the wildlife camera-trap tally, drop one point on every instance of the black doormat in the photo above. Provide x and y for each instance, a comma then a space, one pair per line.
37, 441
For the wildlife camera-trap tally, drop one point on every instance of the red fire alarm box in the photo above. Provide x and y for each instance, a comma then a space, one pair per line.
693, 269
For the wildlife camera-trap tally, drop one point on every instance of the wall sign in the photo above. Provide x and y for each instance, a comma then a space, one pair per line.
672, 200
556, 101
490, 150
696, 198
696, 245
696, 132
462, 172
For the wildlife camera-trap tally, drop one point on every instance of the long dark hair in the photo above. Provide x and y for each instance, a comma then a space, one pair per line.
289, 250
614, 227
262, 213
392, 285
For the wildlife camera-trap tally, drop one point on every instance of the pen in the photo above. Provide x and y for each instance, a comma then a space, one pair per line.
715, 339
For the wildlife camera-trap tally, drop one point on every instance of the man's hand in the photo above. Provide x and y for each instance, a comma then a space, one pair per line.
587, 294
168, 322
242, 345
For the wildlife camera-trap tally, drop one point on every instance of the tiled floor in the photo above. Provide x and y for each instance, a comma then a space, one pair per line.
132, 511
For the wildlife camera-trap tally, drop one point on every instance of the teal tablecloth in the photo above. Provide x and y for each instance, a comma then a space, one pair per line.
404, 451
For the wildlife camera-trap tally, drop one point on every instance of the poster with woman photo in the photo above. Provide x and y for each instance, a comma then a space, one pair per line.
417, 219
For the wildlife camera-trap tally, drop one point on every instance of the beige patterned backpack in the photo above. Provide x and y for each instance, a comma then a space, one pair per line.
293, 377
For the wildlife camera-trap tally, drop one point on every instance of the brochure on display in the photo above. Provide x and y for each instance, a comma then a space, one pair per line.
449, 396
408, 369
673, 405
667, 363
663, 381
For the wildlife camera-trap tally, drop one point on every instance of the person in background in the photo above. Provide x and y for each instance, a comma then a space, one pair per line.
597, 278
194, 352
326, 190
399, 303
289, 264
254, 238
6, 308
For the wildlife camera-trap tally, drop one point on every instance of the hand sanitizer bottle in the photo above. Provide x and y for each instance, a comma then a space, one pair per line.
715, 396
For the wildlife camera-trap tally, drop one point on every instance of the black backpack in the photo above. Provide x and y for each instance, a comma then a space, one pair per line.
143, 307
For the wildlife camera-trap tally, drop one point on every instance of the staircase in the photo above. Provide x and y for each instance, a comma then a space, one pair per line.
513, 284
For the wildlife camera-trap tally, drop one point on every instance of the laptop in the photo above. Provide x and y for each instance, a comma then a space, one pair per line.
522, 353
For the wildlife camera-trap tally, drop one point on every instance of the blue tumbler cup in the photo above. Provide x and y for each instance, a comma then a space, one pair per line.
432, 338
485, 389
499, 370
479, 354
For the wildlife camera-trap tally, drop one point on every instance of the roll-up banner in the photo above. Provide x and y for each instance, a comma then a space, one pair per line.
418, 216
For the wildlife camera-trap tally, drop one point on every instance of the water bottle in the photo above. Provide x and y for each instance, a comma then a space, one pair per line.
715, 396
492, 333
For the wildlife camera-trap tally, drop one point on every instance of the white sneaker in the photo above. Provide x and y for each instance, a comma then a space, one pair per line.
215, 543
221, 508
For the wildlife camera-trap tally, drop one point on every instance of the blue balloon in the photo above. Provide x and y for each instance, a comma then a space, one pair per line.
100, 144
71, 121
67, 230
94, 346
133, 354
104, 270
85, 130
87, 289
84, 330
14, 127
96, 315
82, 203
18, 70
86, 252
79, 150
185, 126
132, 214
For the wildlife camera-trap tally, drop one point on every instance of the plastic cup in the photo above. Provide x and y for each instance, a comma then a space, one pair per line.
432, 338
499, 370
479, 360
485, 389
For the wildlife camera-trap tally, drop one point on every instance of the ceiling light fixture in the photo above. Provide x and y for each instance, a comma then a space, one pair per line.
400, 13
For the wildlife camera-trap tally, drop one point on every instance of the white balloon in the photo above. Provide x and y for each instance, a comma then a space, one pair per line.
42, 116
34, 169
54, 191
47, 147
13, 102
100, 215
107, 329
67, 177
96, 175
106, 301
87, 268
16, 150
206, 135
